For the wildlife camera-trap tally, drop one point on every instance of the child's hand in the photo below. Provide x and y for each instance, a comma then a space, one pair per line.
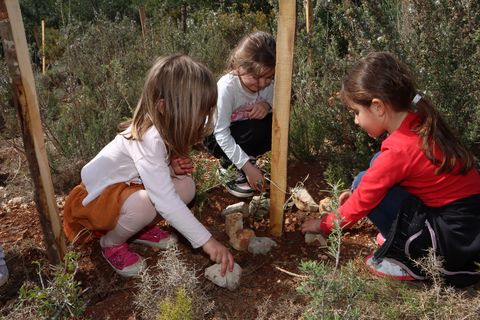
182, 165
259, 110
312, 225
254, 175
219, 253
344, 197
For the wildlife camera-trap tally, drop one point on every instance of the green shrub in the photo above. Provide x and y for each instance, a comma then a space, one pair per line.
61, 298
178, 309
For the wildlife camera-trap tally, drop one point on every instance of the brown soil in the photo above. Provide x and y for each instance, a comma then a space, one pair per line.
110, 296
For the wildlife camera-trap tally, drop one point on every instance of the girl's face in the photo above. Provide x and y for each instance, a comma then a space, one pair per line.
368, 119
253, 82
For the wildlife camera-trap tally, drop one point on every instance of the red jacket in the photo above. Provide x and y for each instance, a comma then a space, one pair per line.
402, 162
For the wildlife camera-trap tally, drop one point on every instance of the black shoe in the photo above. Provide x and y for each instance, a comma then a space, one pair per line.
239, 186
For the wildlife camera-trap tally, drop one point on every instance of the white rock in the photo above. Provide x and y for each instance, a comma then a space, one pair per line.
231, 280
261, 245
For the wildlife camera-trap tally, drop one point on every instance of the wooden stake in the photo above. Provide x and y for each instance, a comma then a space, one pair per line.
43, 46
16, 52
141, 12
308, 15
281, 115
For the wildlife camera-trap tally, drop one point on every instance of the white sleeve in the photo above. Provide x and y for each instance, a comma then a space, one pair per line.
225, 105
158, 183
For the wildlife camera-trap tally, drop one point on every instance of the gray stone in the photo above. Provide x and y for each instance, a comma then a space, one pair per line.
261, 245
231, 280
236, 207
315, 239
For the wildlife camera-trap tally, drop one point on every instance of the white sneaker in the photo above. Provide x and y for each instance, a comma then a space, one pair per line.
3, 268
385, 268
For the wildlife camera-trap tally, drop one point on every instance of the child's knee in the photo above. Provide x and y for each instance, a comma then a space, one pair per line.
185, 187
138, 207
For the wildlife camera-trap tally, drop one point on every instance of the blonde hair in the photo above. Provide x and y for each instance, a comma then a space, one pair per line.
381, 75
189, 93
254, 53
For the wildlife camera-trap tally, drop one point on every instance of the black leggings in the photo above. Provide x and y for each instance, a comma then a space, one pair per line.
253, 136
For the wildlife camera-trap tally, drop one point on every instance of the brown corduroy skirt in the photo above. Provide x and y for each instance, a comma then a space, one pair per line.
99, 216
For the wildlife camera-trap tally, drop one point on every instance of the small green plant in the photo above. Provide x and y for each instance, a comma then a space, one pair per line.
207, 178
178, 309
61, 298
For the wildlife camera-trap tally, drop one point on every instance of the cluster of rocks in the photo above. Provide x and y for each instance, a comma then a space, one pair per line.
244, 239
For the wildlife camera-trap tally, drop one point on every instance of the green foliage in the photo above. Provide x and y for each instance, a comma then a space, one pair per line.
438, 39
60, 298
207, 178
333, 295
178, 309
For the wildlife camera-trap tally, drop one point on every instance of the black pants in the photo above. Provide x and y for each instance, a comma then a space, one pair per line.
453, 230
253, 136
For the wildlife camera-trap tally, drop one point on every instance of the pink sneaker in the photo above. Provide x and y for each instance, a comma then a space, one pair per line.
155, 237
123, 261
380, 239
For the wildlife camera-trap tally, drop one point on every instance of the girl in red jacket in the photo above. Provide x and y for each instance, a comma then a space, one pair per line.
422, 189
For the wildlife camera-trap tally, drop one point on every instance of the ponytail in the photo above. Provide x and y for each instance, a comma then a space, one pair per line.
435, 133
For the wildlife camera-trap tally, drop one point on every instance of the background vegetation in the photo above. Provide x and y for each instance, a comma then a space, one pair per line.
97, 59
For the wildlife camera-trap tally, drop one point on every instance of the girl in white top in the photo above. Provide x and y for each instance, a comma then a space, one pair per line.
243, 124
144, 170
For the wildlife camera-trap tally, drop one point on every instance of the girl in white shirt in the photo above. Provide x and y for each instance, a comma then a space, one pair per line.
145, 170
243, 124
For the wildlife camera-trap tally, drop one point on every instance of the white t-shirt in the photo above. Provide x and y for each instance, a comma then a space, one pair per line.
134, 161
233, 104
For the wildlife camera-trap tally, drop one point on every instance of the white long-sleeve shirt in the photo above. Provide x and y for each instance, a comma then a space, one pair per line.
145, 161
233, 104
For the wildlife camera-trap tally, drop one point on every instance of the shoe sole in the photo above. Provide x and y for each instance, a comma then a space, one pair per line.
131, 271
385, 275
239, 194
162, 244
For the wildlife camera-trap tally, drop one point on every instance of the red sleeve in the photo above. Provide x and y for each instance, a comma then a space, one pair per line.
387, 170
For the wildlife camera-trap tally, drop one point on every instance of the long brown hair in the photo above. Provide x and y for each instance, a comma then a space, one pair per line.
381, 75
254, 53
189, 92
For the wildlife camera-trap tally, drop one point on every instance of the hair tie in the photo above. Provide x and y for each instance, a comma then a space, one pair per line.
416, 99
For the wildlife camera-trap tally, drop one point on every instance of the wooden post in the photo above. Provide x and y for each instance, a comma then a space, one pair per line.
281, 115
43, 46
308, 15
141, 12
16, 52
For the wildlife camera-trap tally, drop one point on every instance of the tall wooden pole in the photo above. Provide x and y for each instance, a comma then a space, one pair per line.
308, 15
43, 46
15, 48
141, 12
281, 115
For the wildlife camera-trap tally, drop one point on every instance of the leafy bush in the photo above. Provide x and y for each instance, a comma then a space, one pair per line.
60, 299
